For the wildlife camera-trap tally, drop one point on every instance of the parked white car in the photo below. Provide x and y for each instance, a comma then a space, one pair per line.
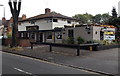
1, 37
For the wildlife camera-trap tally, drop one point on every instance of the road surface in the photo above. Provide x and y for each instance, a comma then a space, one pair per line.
15, 64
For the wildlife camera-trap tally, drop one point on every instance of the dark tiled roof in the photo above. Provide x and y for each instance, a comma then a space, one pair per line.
49, 15
5, 23
20, 18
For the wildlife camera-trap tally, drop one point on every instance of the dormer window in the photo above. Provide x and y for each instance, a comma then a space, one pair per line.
32, 22
55, 20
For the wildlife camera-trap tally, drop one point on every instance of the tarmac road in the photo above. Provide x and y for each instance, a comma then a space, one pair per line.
15, 64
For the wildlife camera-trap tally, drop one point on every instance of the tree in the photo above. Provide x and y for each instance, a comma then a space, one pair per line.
15, 13
88, 17
85, 18
105, 18
115, 21
114, 13
97, 18
80, 17
101, 18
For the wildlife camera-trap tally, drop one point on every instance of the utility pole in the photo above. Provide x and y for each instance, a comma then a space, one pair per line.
15, 13
4, 10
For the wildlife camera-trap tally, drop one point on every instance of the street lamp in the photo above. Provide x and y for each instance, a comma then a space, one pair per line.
4, 8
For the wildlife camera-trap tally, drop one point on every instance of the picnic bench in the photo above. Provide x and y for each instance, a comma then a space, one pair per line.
74, 46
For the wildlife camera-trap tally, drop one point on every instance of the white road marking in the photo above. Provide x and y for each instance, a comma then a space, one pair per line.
49, 63
23, 71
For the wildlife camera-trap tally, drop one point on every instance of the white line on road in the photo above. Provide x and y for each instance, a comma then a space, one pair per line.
23, 71
45, 62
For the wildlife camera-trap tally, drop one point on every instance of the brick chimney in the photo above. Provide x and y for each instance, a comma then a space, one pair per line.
3, 19
23, 16
47, 10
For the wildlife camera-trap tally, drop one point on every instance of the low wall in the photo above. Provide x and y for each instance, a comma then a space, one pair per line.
25, 42
6, 42
105, 47
99, 47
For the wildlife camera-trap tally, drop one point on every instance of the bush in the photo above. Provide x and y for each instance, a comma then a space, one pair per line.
106, 42
114, 42
9, 35
70, 40
90, 41
103, 42
80, 40
64, 41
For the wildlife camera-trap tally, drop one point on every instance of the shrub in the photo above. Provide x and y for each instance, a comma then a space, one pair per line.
115, 41
64, 41
80, 40
70, 40
106, 42
90, 41
93, 41
9, 35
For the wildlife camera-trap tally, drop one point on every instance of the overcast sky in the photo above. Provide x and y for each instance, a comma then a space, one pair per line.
65, 7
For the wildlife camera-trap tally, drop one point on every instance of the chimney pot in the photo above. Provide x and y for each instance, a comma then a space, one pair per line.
47, 10
23, 16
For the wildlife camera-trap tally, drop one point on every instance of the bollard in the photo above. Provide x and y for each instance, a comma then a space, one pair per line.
78, 51
31, 46
50, 48
91, 48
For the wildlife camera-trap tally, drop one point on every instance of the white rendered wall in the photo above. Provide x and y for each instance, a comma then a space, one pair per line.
96, 36
43, 25
61, 23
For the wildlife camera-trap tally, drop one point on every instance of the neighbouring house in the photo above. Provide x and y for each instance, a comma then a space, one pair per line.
9, 23
5, 24
1, 28
7, 31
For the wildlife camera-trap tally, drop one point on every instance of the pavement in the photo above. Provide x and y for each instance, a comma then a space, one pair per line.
104, 62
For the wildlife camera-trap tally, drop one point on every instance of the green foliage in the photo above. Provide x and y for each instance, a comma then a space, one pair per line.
9, 35
70, 40
114, 42
114, 21
80, 40
94, 41
114, 13
103, 42
97, 18
90, 41
85, 18
80, 17
88, 18
101, 18
105, 18
64, 41
106, 42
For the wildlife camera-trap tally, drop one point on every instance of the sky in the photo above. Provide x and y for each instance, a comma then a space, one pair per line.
65, 7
